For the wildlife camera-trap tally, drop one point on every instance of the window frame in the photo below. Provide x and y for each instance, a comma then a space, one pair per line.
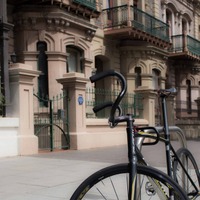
77, 63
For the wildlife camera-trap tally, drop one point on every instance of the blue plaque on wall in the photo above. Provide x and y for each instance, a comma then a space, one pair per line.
80, 100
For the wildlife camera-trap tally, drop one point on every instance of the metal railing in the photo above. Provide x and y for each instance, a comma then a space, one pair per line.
185, 42
131, 103
118, 16
174, 131
88, 3
193, 45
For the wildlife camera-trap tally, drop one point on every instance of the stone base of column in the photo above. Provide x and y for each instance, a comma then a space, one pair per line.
27, 145
8, 137
13, 144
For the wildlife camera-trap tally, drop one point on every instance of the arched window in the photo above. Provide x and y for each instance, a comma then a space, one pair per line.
156, 78
138, 80
188, 97
74, 59
42, 62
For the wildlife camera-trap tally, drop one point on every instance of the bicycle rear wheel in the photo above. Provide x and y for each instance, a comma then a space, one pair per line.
182, 178
112, 183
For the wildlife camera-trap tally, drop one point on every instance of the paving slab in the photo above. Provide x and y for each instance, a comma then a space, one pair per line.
55, 175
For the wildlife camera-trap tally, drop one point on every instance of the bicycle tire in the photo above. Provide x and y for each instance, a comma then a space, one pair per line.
96, 187
180, 176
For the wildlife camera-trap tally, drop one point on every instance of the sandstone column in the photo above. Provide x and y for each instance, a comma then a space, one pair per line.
74, 84
21, 106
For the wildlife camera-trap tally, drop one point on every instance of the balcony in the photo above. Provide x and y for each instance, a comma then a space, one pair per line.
87, 3
129, 22
185, 47
86, 8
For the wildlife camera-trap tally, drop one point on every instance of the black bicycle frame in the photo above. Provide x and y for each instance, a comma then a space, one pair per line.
166, 135
132, 156
114, 120
168, 146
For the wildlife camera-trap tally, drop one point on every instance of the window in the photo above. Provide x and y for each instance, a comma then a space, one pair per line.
135, 3
43, 67
156, 78
138, 81
184, 26
135, 14
110, 4
188, 97
169, 21
74, 59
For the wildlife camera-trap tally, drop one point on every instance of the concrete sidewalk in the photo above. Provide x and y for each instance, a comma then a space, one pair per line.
54, 176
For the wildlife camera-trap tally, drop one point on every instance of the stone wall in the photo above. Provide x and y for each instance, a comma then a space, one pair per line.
191, 128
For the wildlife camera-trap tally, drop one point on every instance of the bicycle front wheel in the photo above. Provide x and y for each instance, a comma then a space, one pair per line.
111, 183
189, 181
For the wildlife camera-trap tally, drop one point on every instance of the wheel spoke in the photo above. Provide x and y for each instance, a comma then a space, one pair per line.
188, 181
112, 184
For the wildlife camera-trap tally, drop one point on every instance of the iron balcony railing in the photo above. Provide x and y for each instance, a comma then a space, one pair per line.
123, 16
182, 43
88, 3
131, 103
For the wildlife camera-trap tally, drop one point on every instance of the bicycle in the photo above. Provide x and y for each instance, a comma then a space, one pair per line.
181, 165
130, 180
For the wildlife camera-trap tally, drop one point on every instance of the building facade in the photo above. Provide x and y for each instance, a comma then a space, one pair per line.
153, 43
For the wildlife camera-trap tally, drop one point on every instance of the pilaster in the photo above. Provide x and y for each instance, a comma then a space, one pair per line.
74, 84
21, 106
149, 97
